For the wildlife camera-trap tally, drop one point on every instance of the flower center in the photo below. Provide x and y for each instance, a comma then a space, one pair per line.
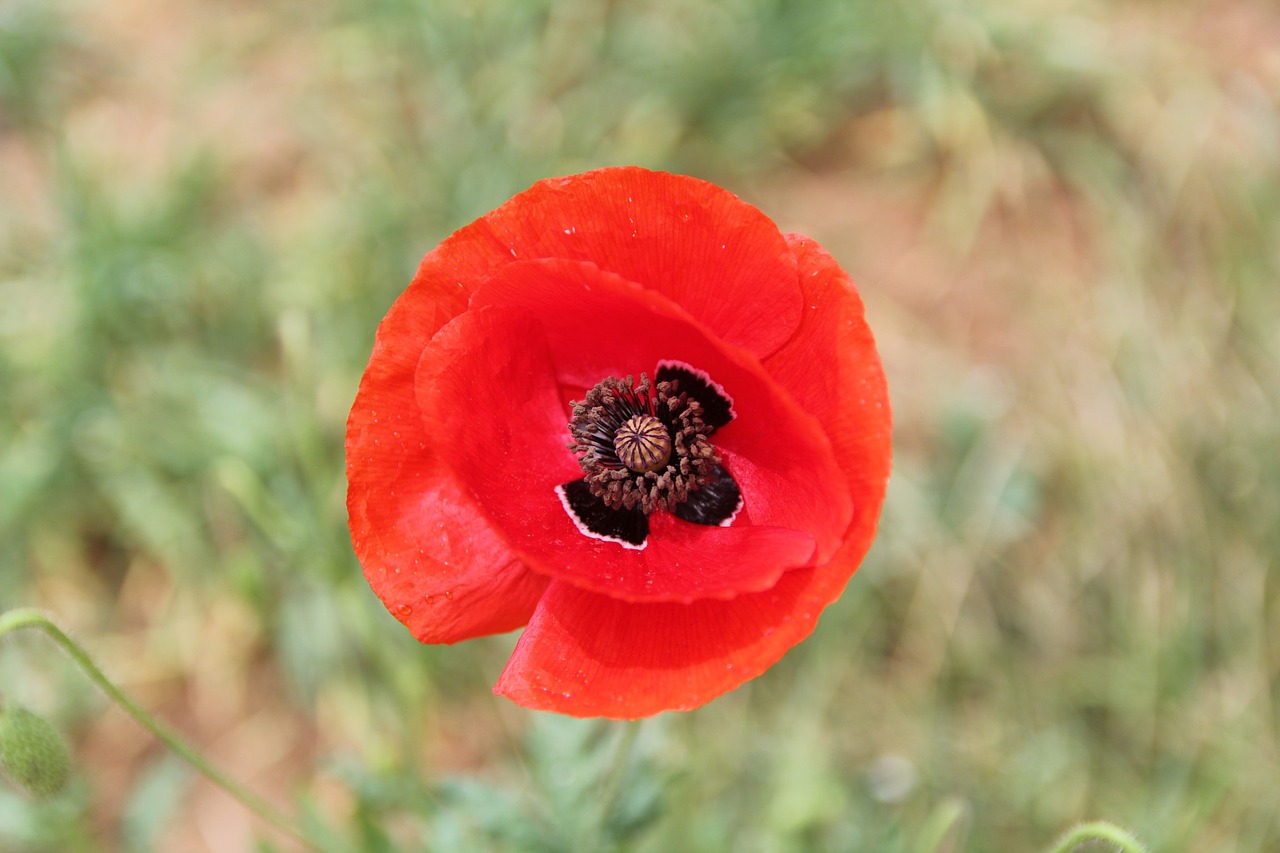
642, 445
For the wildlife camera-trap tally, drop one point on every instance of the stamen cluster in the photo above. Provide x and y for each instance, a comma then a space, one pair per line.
607, 409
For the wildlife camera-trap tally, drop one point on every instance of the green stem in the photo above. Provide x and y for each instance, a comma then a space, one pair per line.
611, 785
1097, 831
25, 617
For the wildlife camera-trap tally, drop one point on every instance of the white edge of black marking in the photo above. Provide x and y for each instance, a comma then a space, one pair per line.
701, 374
588, 532
737, 509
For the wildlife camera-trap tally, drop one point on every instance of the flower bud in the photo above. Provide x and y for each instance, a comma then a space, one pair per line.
32, 752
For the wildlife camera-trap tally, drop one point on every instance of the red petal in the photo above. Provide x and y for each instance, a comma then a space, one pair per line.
716, 256
597, 325
850, 398
588, 655
431, 558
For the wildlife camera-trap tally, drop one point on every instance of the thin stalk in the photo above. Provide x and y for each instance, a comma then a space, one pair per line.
25, 617
611, 785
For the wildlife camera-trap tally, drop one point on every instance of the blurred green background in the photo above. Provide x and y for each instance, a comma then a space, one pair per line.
1065, 220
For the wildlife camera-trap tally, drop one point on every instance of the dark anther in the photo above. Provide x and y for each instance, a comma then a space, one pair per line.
645, 446
641, 445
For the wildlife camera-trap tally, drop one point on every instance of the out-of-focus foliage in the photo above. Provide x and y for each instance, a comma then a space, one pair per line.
1065, 217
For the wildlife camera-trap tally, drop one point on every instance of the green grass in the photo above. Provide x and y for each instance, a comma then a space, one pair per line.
1069, 614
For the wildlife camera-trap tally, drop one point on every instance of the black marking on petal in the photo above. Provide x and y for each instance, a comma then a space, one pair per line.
716, 503
717, 405
628, 527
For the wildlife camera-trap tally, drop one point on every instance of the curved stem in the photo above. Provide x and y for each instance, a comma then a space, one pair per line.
1099, 830
25, 617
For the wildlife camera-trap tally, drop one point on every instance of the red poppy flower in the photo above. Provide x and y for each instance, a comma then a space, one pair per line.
624, 411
